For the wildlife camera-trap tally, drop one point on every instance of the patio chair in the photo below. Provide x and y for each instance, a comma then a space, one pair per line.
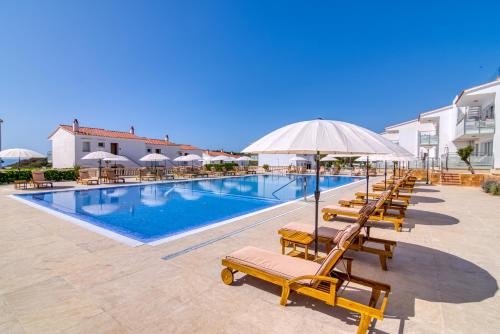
38, 180
85, 178
321, 281
110, 176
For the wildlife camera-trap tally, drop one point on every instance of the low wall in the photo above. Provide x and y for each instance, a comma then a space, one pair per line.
466, 179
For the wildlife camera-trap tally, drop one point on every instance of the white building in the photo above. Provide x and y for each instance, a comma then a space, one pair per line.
285, 160
469, 120
71, 142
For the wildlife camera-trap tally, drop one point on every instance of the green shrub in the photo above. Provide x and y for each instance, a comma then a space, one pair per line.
266, 167
9, 176
491, 186
218, 167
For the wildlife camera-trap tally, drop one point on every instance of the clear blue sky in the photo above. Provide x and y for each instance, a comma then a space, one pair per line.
220, 74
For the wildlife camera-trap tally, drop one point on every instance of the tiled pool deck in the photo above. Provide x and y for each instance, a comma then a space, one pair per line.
57, 277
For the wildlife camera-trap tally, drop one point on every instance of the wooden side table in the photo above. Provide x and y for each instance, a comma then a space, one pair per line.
21, 184
295, 238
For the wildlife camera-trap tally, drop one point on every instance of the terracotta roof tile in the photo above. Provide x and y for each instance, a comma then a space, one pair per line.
124, 135
101, 132
216, 153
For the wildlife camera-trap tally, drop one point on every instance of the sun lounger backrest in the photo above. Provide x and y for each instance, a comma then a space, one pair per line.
333, 258
84, 174
38, 176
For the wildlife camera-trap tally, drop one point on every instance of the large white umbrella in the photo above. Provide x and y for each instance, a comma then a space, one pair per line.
154, 157
20, 154
222, 158
320, 137
298, 159
99, 156
116, 158
188, 158
329, 157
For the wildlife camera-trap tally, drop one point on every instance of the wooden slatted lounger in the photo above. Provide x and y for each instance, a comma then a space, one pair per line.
353, 211
112, 178
85, 178
38, 179
329, 237
321, 281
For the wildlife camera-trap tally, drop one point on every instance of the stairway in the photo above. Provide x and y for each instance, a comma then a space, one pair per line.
450, 179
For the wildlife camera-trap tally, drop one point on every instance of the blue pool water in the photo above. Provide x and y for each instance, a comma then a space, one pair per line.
154, 211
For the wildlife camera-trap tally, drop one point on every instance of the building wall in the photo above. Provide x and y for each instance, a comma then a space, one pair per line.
63, 149
130, 148
281, 160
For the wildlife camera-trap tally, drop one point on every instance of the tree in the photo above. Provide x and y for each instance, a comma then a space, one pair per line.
464, 154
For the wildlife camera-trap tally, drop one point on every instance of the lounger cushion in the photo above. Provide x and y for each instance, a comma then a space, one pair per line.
284, 266
342, 208
323, 231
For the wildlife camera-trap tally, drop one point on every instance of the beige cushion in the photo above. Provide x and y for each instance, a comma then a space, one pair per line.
323, 231
343, 208
276, 264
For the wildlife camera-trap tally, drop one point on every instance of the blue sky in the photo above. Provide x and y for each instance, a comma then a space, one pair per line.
220, 74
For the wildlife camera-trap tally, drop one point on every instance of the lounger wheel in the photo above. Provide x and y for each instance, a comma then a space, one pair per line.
328, 216
227, 276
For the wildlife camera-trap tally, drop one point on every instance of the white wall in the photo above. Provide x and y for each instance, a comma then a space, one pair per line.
130, 148
281, 160
63, 149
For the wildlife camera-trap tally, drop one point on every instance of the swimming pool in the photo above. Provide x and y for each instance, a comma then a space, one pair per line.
148, 213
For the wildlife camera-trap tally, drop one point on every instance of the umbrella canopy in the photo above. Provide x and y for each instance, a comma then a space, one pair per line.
154, 157
222, 158
20, 153
98, 155
324, 136
244, 158
189, 157
329, 157
116, 158
321, 136
298, 159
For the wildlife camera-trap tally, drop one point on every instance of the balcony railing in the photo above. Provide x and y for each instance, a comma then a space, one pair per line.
428, 139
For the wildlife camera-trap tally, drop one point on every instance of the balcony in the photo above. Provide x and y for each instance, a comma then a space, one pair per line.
428, 138
471, 127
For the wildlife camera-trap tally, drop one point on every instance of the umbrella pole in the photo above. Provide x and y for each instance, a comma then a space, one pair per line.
367, 177
19, 168
99, 178
385, 175
316, 198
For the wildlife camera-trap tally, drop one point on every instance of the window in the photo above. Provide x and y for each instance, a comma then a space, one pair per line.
100, 144
158, 150
148, 150
86, 146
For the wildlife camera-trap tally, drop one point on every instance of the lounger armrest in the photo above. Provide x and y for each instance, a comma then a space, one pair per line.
313, 277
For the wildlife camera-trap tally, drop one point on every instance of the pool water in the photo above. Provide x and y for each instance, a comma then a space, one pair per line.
147, 213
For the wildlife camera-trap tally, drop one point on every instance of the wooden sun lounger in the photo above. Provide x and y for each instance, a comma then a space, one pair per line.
38, 180
328, 236
86, 179
321, 281
352, 210
112, 178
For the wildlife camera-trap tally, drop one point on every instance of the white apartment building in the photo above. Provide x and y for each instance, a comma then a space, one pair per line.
71, 142
468, 120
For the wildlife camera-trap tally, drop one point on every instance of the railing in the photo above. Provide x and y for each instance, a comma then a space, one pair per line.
475, 127
428, 138
478, 162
